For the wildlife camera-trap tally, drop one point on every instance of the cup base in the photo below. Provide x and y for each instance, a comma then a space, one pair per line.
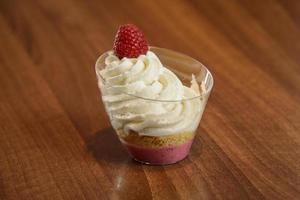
158, 164
159, 156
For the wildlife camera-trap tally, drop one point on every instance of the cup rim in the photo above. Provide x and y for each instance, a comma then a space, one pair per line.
202, 94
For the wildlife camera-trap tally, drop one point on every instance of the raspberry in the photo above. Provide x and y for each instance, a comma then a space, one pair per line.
130, 42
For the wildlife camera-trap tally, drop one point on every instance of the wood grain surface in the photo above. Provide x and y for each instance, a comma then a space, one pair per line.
55, 138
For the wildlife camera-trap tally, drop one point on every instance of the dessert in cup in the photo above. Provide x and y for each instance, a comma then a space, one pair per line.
154, 97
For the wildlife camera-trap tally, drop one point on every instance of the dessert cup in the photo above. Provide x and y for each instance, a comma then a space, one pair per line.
171, 142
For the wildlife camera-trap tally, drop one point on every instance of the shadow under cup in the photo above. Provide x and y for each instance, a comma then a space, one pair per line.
172, 131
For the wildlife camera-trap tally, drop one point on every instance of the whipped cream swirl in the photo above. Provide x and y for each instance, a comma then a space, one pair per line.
123, 81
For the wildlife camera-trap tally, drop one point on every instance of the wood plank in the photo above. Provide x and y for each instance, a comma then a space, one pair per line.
55, 138
42, 154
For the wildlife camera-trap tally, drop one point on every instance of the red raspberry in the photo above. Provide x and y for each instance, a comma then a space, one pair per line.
130, 42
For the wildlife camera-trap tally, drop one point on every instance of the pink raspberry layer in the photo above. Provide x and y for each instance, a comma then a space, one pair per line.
160, 156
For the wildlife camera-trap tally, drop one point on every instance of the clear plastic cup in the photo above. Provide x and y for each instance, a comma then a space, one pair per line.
172, 131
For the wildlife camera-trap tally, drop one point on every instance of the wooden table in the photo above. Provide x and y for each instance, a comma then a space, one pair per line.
55, 138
